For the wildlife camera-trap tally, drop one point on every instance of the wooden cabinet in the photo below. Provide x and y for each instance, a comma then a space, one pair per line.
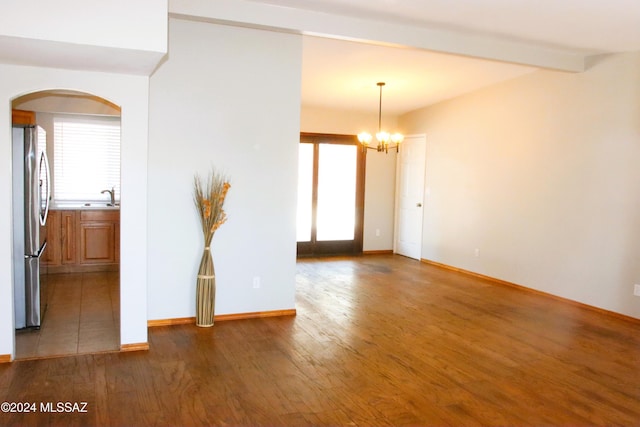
23, 118
97, 231
83, 240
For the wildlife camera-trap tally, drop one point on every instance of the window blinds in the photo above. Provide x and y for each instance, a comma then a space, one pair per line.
86, 158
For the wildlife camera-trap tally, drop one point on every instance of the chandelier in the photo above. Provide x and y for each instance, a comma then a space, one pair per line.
385, 139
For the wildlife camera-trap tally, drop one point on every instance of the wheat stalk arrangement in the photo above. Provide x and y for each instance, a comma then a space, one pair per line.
208, 196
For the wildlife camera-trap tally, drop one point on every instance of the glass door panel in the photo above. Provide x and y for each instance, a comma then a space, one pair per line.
337, 170
305, 192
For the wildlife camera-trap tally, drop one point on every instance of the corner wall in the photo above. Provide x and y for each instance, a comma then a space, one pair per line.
540, 174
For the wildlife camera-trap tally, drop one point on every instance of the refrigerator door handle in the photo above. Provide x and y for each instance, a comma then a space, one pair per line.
44, 160
39, 254
42, 248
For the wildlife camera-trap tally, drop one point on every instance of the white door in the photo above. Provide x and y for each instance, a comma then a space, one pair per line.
409, 196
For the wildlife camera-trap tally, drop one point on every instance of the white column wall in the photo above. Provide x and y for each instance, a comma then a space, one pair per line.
227, 97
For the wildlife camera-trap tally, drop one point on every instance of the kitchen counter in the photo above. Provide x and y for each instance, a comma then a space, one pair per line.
82, 206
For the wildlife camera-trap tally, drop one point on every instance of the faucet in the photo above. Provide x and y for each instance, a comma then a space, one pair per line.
112, 194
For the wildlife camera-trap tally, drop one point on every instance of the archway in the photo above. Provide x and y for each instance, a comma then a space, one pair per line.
131, 93
80, 281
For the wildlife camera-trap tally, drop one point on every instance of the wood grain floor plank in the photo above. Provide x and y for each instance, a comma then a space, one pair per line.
378, 340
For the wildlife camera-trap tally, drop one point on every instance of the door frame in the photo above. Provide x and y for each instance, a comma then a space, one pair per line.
335, 247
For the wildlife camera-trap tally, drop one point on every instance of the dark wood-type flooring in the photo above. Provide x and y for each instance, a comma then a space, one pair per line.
378, 340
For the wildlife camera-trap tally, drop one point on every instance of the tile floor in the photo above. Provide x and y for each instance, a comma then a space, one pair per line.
82, 316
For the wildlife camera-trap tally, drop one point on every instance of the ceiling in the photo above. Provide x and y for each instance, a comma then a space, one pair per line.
405, 43
343, 74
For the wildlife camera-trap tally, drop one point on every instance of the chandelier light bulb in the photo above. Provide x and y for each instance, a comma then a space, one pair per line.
383, 137
397, 138
364, 138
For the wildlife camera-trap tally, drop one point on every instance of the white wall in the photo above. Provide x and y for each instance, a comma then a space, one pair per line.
140, 25
227, 97
541, 175
380, 169
116, 36
131, 93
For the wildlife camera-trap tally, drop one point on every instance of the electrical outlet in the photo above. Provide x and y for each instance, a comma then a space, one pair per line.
377, 232
636, 290
476, 253
256, 282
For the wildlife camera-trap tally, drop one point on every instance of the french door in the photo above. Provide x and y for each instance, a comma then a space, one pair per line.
330, 195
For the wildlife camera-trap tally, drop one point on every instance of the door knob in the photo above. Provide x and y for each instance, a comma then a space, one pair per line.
419, 205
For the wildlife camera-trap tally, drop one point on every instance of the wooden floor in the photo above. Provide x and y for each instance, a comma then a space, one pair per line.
378, 340
82, 316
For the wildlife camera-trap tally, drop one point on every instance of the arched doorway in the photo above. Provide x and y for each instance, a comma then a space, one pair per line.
80, 265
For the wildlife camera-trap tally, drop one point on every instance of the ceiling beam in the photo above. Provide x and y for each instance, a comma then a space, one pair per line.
286, 19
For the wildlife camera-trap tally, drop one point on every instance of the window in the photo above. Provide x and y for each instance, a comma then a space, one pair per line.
86, 158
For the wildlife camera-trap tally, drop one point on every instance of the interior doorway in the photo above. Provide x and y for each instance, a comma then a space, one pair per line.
330, 195
80, 264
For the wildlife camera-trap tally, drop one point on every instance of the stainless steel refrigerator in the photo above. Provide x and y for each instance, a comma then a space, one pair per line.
31, 194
